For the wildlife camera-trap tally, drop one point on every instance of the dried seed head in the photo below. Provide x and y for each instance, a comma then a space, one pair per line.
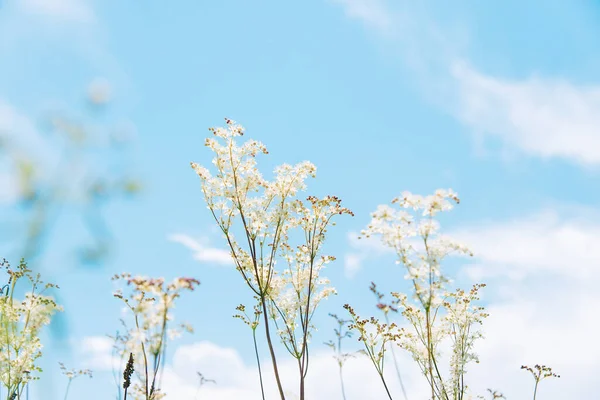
128, 372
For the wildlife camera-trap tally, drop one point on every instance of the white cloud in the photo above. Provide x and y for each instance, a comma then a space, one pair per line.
352, 264
362, 249
541, 272
201, 250
372, 13
542, 117
96, 353
541, 244
237, 380
64, 10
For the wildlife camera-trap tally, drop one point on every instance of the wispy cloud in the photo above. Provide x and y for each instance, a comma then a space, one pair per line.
536, 245
362, 250
542, 267
373, 13
62, 10
543, 117
97, 352
201, 250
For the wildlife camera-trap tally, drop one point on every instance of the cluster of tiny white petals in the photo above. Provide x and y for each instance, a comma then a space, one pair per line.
416, 239
270, 218
20, 326
434, 313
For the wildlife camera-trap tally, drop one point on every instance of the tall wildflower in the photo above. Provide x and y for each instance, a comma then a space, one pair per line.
341, 332
151, 302
20, 326
434, 313
539, 372
272, 224
71, 374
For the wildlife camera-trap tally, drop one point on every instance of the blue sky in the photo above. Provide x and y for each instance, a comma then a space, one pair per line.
500, 103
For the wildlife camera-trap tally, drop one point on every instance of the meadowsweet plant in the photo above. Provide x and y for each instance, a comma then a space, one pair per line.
71, 374
263, 222
202, 380
375, 336
20, 324
253, 323
494, 394
539, 372
151, 302
341, 332
434, 313
386, 309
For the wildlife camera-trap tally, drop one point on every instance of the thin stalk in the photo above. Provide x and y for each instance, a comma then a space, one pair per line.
67, 390
342, 384
385, 386
271, 350
262, 390
387, 320
252, 249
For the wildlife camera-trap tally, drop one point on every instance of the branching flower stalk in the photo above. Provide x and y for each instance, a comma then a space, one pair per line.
202, 381
434, 313
267, 214
150, 302
71, 374
20, 326
386, 309
539, 373
253, 324
494, 394
339, 356
375, 336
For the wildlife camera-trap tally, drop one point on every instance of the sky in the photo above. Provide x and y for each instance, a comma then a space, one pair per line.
499, 102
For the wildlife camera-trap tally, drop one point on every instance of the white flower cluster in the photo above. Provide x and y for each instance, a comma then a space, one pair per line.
151, 302
274, 225
20, 326
435, 314
416, 239
267, 212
